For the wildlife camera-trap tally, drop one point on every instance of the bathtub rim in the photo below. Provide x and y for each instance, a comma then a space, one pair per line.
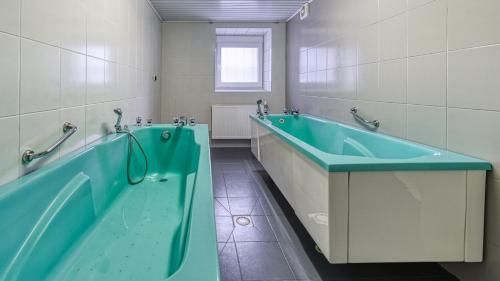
447, 160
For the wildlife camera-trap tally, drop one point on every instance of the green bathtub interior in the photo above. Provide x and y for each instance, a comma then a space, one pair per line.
339, 148
79, 219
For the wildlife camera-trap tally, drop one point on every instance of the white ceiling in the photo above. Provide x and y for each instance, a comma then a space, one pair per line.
227, 10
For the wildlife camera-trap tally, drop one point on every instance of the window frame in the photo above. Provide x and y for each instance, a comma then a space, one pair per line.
239, 41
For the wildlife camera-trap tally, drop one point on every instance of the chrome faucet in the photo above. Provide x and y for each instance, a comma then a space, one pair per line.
260, 112
138, 121
180, 121
118, 126
291, 111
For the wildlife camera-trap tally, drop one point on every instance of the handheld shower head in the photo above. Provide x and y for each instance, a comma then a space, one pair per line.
118, 112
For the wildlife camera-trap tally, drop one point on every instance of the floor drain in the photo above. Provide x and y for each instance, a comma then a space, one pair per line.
244, 221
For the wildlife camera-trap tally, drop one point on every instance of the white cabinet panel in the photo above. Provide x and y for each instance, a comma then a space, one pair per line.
407, 216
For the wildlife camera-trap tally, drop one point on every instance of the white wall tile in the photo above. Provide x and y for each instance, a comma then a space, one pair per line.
348, 50
393, 38
427, 28
341, 82
96, 91
10, 16
416, 3
392, 116
427, 79
393, 81
37, 132
368, 82
73, 25
97, 28
76, 116
366, 11
368, 44
427, 124
390, 8
9, 149
321, 58
474, 73
73, 79
473, 132
41, 20
473, 23
40, 77
9, 75
311, 60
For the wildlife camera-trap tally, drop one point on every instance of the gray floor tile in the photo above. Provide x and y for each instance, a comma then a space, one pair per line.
219, 185
225, 228
236, 176
245, 206
262, 261
233, 167
228, 261
221, 206
259, 230
241, 188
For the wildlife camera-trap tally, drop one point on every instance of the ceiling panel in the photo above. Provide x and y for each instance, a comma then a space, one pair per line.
227, 10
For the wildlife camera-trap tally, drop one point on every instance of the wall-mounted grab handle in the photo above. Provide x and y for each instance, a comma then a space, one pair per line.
30, 155
373, 123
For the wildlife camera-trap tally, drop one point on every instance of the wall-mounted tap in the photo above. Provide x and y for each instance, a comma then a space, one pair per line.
149, 122
180, 121
138, 121
291, 111
260, 113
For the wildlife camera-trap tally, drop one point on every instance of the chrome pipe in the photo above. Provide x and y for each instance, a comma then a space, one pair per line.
373, 123
30, 155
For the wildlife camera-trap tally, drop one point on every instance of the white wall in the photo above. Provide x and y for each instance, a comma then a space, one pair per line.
427, 69
188, 70
72, 60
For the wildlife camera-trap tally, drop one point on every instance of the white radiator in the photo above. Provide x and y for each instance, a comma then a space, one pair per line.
231, 121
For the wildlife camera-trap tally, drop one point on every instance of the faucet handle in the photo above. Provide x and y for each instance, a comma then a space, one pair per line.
192, 121
138, 121
176, 121
149, 122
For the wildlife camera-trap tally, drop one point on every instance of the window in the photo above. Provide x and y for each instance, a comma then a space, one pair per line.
239, 63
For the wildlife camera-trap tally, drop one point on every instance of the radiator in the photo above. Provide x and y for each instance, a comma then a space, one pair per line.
231, 121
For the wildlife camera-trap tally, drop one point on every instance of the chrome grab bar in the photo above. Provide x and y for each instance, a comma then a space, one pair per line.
30, 155
374, 123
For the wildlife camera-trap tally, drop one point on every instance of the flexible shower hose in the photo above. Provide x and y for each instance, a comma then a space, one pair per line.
129, 159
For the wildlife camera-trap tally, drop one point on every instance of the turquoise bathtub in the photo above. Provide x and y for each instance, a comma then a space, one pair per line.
340, 148
79, 219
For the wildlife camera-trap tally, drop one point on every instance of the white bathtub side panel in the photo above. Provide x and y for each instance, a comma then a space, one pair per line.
474, 221
254, 141
339, 217
310, 195
277, 158
407, 216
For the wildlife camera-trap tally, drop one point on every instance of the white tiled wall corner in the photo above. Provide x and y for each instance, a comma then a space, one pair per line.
443, 92
47, 77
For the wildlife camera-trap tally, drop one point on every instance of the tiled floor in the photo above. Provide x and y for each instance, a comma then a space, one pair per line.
260, 239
